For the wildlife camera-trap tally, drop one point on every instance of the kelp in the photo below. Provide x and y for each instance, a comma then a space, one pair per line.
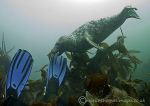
123, 61
78, 61
115, 60
43, 71
4, 55
33, 92
4, 65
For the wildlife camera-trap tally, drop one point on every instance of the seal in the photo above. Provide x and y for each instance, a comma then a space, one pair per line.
90, 34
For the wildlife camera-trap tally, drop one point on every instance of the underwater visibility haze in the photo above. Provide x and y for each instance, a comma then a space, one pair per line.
75, 52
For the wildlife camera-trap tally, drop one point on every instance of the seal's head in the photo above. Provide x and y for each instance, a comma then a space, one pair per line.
63, 44
130, 12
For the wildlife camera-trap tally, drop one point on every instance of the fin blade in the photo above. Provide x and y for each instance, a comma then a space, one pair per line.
19, 72
61, 77
57, 68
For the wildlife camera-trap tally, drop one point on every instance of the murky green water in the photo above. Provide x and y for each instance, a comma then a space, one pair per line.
36, 25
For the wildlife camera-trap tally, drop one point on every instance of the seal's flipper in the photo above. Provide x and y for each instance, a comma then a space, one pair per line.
87, 37
18, 74
57, 68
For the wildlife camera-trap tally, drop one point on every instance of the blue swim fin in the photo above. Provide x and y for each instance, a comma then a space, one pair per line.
55, 75
19, 72
57, 68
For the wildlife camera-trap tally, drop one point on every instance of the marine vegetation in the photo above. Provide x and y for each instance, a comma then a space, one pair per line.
4, 57
115, 61
4, 65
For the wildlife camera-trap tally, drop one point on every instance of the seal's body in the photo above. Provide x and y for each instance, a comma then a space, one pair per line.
92, 33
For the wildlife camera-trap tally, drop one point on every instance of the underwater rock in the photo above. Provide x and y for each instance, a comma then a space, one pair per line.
97, 85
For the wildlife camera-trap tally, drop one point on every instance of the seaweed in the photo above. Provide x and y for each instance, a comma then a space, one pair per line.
4, 56
4, 65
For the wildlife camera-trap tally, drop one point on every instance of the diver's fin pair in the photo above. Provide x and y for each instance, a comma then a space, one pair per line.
57, 68
19, 72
